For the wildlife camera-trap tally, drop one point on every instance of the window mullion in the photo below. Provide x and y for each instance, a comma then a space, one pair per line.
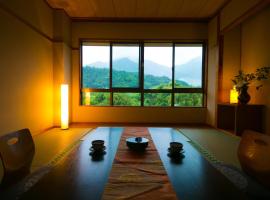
142, 73
111, 92
173, 72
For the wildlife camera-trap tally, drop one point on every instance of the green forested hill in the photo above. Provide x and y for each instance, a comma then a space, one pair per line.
99, 78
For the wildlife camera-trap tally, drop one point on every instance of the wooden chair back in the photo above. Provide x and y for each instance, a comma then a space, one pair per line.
17, 150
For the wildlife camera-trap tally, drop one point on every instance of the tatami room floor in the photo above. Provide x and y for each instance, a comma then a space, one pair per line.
55, 143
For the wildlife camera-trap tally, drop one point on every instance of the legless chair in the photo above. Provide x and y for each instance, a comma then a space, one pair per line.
17, 150
254, 156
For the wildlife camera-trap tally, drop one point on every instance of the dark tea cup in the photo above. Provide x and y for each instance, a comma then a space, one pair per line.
176, 147
98, 145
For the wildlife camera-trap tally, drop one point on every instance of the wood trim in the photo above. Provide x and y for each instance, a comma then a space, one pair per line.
205, 73
250, 12
111, 75
220, 44
142, 72
144, 40
80, 73
173, 75
59, 9
241, 28
220, 9
75, 48
138, 90
220, 67
25, 22
140, 19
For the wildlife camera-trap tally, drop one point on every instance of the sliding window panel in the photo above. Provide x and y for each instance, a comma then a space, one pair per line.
125, 65
126, 99
188, 66
95, 65
96, 98
188, 100
158, 65
157, 99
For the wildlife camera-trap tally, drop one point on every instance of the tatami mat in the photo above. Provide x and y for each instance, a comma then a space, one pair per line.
53, 142
220, 144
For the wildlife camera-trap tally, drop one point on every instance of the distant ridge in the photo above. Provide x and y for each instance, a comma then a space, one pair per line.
189, 72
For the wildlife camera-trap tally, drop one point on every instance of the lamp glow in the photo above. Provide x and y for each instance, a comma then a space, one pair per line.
233, 95
64, 107
87, 98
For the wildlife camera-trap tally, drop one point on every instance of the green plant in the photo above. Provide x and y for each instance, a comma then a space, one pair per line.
243, 80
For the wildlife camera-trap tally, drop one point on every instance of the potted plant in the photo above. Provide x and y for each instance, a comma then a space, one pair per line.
243, 80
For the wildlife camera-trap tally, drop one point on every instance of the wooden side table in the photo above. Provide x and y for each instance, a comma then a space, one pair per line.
236, 118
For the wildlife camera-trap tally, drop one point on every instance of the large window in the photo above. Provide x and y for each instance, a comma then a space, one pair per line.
142, 74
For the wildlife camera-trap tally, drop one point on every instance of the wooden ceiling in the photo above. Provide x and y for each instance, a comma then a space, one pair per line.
139, 9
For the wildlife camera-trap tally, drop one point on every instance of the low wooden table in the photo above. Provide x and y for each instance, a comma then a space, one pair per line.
79, 177
193, 177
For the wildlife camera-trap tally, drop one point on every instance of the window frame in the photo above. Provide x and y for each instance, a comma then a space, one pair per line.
141, 89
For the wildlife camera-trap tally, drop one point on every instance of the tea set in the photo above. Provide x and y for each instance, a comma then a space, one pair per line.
175, 149
98, 148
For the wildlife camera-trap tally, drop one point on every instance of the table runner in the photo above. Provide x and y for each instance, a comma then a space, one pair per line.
138, 175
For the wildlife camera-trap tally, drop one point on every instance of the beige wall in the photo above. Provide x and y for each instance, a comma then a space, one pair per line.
184, 31
26, 72
234, 13
234, 10
231, 61
32, 65
255, 54
247, 47
34, 12
62, 58
61, 74
142, 31
212, 84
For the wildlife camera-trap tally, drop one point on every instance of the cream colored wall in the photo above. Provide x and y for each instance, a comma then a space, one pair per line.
35, 12
212, 84
186, 31
255, 53
231, 61
62, 59
142, 31
61, 74
26, 68
234, 10
232, 14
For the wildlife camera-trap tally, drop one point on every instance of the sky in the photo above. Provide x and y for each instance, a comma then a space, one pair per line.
160, 55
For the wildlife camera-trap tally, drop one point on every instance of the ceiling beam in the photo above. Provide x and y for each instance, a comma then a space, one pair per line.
139, 19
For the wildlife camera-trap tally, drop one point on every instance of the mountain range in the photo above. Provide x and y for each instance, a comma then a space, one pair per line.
190, 72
